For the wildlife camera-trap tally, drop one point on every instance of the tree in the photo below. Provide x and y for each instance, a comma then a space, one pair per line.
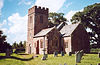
14, 46
20, 44
90, 18
3, 44
24, 44
56, 18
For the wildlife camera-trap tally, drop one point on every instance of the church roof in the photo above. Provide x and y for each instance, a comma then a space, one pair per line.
68, 29
44, 32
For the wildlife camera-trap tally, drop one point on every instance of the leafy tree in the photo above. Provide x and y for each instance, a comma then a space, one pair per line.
3, 44
24, 44
56, 18
14, 46
20, 44
90, 17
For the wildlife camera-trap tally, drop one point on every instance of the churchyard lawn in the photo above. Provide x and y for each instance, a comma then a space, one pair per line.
24, 59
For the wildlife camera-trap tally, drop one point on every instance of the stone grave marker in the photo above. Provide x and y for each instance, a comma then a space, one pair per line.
65, 64
44, 57
55, 54
62, 53
82, 52
78, 57
70, 54
8, 53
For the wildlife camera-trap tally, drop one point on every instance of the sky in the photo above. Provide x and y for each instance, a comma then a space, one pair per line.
13, 14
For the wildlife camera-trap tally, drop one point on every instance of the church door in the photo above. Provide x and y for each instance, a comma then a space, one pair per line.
37, 48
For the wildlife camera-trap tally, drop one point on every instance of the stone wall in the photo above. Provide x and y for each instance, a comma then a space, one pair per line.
37, 20
54, 41
80, 39
67, 44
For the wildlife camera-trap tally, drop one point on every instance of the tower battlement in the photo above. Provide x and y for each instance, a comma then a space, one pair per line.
40, 10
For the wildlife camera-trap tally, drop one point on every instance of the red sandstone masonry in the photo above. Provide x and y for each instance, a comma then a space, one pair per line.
36, 9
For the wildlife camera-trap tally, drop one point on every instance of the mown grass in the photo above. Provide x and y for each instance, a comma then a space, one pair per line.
87, 59
96, 50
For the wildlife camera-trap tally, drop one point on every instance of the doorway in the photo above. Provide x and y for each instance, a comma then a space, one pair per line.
37, 48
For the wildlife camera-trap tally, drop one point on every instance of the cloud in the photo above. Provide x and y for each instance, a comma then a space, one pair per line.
53, 5
71, 13
18, 28
3, 23
1, 5
68, 4
25, 2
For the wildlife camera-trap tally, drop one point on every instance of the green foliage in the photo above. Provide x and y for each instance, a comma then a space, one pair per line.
56, 18
3, 44
20, 45
69, 60
90, 18
95, 50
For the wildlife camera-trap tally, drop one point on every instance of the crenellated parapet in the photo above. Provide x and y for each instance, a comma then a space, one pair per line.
40, 10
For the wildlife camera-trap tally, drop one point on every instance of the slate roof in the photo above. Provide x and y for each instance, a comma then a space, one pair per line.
59, 27
65, 30
68, 29
44, 32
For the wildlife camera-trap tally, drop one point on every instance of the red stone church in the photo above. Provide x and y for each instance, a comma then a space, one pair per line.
66, 38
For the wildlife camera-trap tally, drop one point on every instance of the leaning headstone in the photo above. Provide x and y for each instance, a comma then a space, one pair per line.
70, 54
78, 57
82, 52
55, 54
62, 53
99, 54
8, 53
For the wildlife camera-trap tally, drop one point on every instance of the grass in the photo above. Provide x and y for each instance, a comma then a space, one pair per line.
23, 59
95, 50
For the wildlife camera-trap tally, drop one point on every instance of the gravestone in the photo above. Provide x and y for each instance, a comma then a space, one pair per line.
70, 54
99, 54
44, 57
82, 52
78, 57
62, 53
65, 64
8, 53
55, 54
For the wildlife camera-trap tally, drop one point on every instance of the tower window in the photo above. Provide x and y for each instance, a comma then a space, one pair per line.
41, 19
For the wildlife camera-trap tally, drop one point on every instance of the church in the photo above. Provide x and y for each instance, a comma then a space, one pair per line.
41, 38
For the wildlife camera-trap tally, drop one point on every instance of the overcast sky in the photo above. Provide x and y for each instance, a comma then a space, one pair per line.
13, 14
